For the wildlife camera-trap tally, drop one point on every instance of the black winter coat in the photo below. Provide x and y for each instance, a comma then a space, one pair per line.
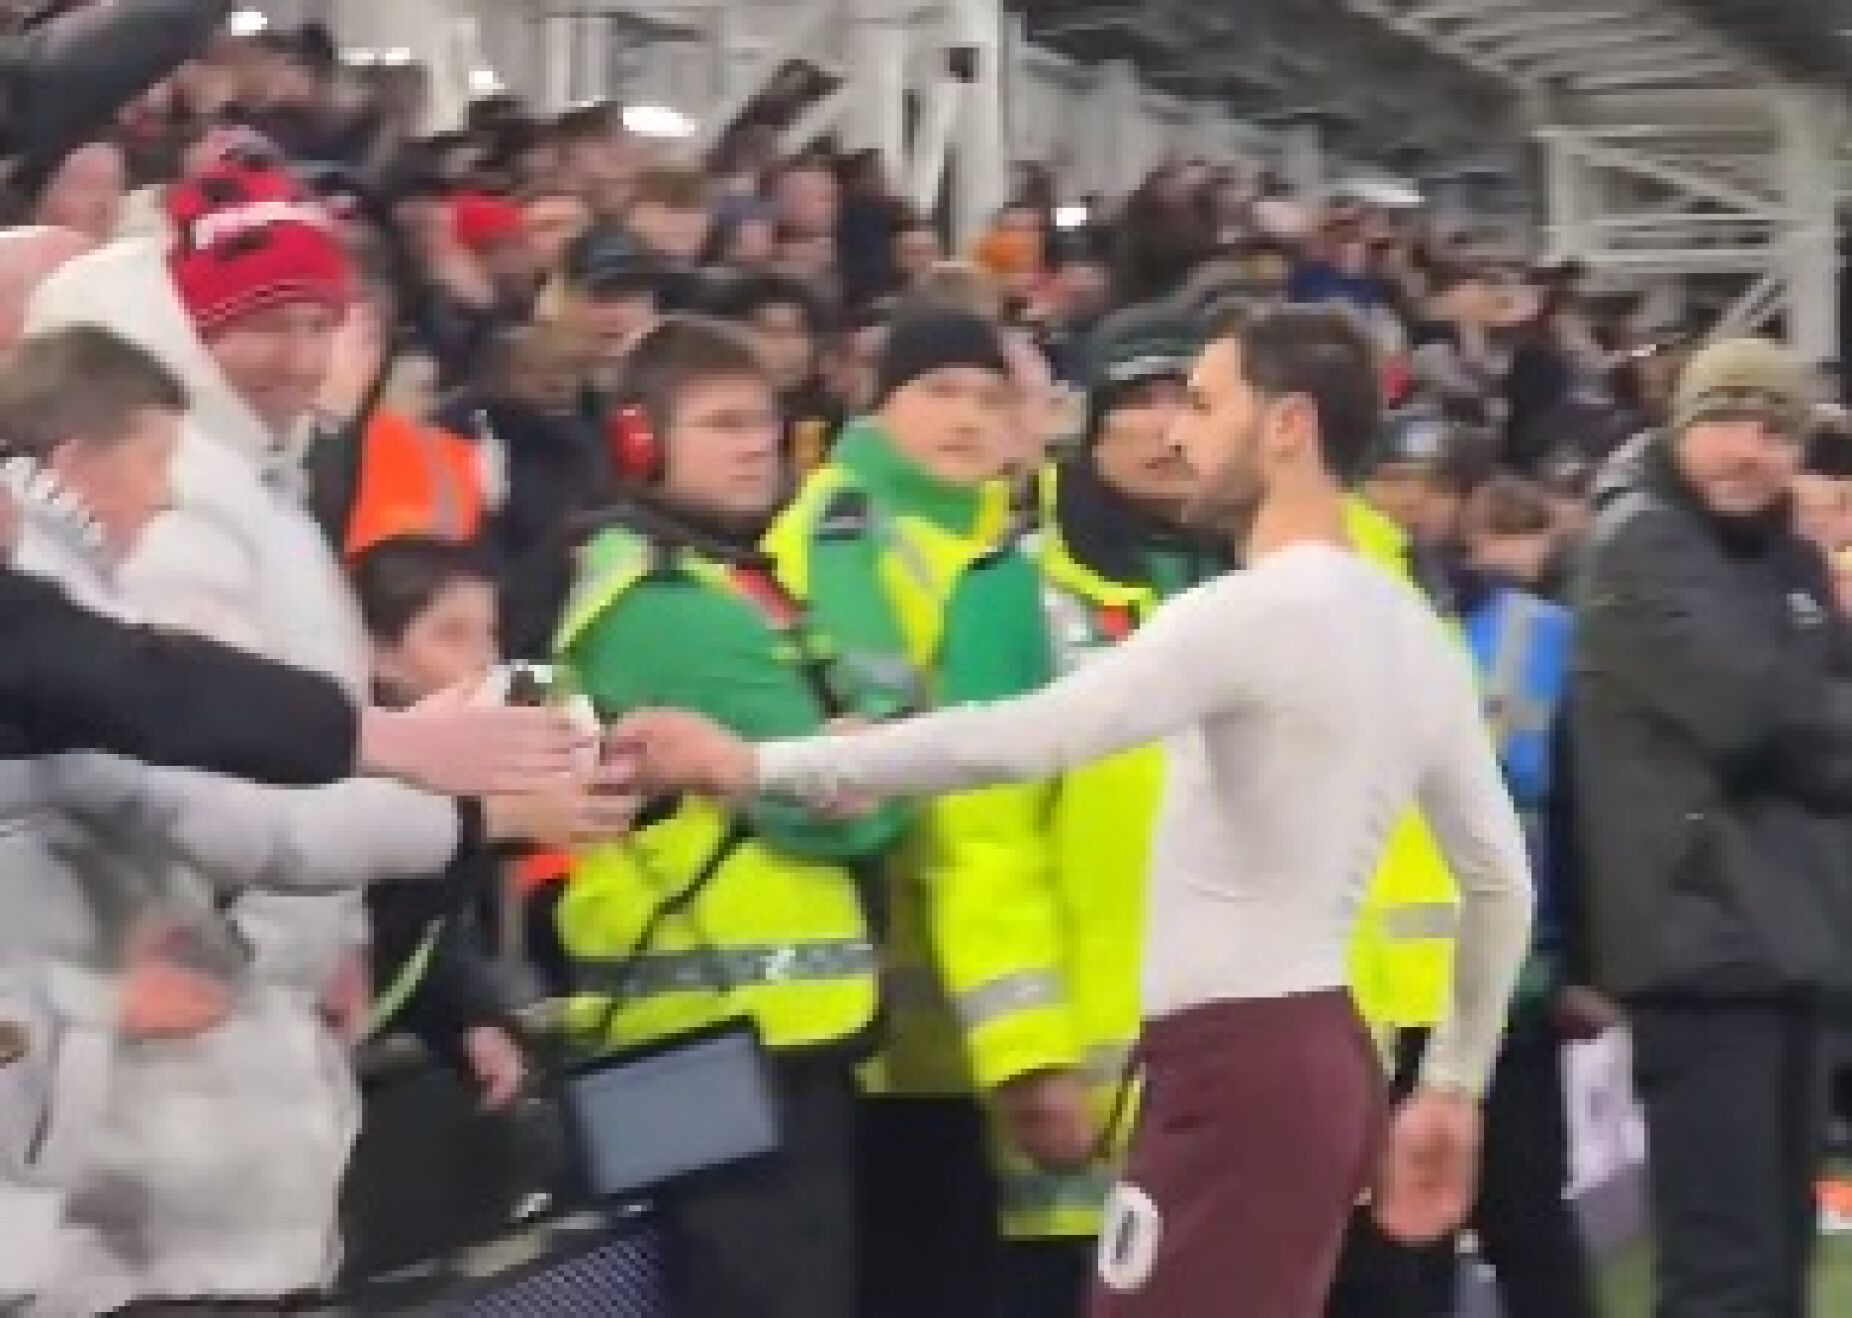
72, 680
1712, 743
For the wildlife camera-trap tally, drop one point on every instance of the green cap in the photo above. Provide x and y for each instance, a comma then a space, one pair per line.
1744, 377
1139, 344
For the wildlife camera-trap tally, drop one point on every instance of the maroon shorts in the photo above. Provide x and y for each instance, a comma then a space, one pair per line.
1260, 1128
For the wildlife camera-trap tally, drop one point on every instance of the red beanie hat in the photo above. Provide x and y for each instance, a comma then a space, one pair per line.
482, 221
248, 240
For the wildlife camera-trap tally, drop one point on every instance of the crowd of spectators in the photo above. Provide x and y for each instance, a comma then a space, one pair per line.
406, 366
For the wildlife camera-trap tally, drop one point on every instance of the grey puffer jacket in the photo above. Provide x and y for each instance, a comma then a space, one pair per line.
207, 1166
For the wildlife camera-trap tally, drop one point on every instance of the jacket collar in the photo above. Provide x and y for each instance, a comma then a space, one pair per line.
868, 453
674, 529
61, 541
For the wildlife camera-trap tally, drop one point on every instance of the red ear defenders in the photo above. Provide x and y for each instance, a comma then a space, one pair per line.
635, 450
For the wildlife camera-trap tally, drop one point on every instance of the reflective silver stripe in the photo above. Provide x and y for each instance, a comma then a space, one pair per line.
1051, 1192
885, 673
739, 967
1105, 1064
1510, 706
1008, 995
908, 554
1419, 920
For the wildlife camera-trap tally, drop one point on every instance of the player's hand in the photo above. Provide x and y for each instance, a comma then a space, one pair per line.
498, 1064
675, 751
1048, 1117
1431, 1170
162, 999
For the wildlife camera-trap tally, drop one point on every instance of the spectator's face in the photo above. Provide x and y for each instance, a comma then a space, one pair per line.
916, 252
808, 201
723, 448
807, 257
611, 321
125, 484
1823, 511
1023, 221
954, 423
753, 245
514, 266
455, 640
1085, 290
276, 360
1133, 451
553, 223
1523, 558
786, 346
547, 373
1415, 498
86, 193
673, 232
852, 367
1739, 466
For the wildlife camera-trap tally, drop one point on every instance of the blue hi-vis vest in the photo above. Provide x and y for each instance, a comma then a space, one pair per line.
1520, 644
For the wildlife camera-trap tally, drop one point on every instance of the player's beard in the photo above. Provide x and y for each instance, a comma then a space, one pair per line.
1230, 499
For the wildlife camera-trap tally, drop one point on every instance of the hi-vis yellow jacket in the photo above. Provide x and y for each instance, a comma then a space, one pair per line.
1100, 829
974, 992
770, 936
1401, 955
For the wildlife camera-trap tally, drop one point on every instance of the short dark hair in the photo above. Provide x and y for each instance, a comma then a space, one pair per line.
1323, 353
399, 578
82, 383
684, 350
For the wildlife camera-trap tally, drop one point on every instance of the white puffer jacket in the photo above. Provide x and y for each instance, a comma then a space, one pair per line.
221, 1172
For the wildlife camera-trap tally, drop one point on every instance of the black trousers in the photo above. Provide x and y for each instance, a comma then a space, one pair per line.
776, 1239
929, 1225
1045, 1278
1527, 1230
1735, 1098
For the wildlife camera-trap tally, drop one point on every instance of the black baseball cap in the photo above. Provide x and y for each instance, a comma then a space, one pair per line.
606, 260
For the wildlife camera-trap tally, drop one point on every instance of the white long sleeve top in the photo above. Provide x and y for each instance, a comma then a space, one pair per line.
1304, 704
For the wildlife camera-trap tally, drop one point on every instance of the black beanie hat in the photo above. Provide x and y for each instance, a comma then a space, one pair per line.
920, 342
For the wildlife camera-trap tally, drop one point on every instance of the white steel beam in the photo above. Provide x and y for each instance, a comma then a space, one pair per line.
878, 60
1527, 23
1411, 25
1812, 122
1750, 312
1660, 75
932, 143
1442, 11
1578, 43
1677, 177
983, 147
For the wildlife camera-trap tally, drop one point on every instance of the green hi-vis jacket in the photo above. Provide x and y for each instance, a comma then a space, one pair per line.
1100, 829
904, 572
779, 934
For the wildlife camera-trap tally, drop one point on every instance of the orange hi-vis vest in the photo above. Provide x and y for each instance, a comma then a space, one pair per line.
415, 479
